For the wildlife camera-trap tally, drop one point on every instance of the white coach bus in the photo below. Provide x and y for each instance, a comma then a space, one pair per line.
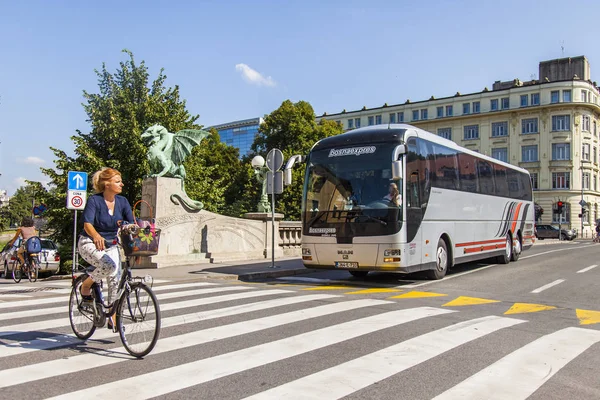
449, 205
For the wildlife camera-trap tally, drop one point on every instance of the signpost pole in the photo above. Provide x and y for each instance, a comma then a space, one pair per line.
273, 220
74, 244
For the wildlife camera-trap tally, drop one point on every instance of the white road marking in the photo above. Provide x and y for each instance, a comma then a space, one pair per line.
29, 373
522, 372
186, 375
581, 271
19, 347
62, 322
347, 378
548, 286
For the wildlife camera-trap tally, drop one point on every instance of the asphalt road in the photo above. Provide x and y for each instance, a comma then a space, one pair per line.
525, 330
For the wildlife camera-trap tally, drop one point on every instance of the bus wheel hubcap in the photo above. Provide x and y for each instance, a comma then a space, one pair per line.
508, 246
442, 259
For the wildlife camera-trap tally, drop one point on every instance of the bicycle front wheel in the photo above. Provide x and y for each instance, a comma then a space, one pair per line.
138, 320
34, 266
17, 271
81, 314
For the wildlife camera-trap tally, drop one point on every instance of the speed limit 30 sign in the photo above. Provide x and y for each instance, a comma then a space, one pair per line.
76, 199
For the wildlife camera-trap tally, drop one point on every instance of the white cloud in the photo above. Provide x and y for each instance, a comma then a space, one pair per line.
32, 160
20, 181
254, 77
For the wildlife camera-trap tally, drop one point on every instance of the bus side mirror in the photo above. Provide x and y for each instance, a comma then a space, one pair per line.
287, 172
397, 170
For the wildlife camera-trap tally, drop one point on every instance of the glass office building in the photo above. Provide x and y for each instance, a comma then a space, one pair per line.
239, 134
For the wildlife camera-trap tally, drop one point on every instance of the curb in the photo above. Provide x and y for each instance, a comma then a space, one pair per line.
255, 276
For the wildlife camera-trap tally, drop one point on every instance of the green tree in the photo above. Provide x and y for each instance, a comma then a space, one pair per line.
126, 104
211, 173
292, 128
22, 202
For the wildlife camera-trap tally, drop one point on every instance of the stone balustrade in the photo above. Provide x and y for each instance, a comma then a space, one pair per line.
290, 235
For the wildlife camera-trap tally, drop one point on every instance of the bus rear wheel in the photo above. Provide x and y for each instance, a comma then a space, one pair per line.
508, 251
441, 261
517, 248
359, 274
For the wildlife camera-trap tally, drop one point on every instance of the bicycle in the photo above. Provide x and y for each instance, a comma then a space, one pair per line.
135, 306
30, 266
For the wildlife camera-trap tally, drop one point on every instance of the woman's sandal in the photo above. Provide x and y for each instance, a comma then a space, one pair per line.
110, 324
85, 297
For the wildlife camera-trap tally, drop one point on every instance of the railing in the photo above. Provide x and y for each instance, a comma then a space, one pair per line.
290, 234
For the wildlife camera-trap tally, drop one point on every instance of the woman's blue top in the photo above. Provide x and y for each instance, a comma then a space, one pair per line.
96, 213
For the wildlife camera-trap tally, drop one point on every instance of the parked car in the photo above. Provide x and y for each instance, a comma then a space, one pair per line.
551, 232
49, 257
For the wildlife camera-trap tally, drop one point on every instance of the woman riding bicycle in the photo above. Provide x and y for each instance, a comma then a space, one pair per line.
26, 231
102, 215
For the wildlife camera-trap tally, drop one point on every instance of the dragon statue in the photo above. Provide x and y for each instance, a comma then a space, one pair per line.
166, 154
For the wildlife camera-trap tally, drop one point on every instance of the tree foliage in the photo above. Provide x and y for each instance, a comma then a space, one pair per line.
292, 128
22, 202
126, 104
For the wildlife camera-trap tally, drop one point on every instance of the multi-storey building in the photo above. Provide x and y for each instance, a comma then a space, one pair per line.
548, 126
239, 134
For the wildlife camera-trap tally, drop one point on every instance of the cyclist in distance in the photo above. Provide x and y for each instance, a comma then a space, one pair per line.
26, 231
103, 213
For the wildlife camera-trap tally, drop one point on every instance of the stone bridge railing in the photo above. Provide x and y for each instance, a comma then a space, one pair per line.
290, 235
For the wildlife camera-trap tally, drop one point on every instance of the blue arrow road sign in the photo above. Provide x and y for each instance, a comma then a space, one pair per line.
77, 180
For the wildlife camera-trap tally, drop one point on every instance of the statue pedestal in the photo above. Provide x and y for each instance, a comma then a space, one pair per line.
196, 237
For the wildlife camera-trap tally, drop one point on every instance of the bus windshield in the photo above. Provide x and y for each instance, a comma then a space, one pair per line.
352, 187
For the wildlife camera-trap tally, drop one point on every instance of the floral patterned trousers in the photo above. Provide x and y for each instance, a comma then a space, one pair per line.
105, 263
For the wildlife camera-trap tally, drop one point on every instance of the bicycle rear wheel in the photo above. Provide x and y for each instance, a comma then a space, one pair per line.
138, 320
17, 271
33, 269
81, 314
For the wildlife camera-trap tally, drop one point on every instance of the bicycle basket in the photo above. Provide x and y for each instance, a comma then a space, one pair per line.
144, 241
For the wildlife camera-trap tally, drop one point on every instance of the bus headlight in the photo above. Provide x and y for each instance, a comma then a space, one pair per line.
306, 251
391, 252
391, 259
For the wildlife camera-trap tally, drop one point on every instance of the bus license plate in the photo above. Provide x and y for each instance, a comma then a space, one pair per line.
346, 264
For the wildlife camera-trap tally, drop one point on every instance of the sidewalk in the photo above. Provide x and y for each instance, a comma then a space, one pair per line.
252, 270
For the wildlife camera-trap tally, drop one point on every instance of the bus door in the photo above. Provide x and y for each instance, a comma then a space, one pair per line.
412, 203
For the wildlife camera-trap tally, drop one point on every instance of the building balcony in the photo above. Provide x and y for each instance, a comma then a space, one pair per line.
561, 164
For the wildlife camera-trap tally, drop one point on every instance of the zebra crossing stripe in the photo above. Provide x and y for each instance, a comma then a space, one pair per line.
16, 376
62, 322
53, 300
344, 379
19, 347
522, 372
182, 376
164, 296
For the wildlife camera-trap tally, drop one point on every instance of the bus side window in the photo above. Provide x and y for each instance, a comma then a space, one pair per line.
413, 198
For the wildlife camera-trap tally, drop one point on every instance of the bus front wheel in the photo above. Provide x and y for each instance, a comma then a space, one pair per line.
441, 261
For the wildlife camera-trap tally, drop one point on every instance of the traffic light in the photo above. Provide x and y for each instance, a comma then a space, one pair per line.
559, 207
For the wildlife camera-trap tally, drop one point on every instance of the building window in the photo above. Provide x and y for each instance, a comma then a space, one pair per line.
446, 133
529, 153
415, 115
392, 118
401, 116
350, 123
534, 180
535, 99
357, 122
476, 107
585, 152
499, 129
505, 103
595, 155
440, 112
595, 183
524, 99
494, 104
466, 108
586, 181
500, 154
566, 96
561, 180
424, 113
471, 132
585, 123
595, 128
449, 111
584, 96
370, 121
529, 125
561, 151
561, 122
554, 96
377, 119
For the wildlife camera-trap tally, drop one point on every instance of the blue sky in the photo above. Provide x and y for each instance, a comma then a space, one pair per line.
241, 59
